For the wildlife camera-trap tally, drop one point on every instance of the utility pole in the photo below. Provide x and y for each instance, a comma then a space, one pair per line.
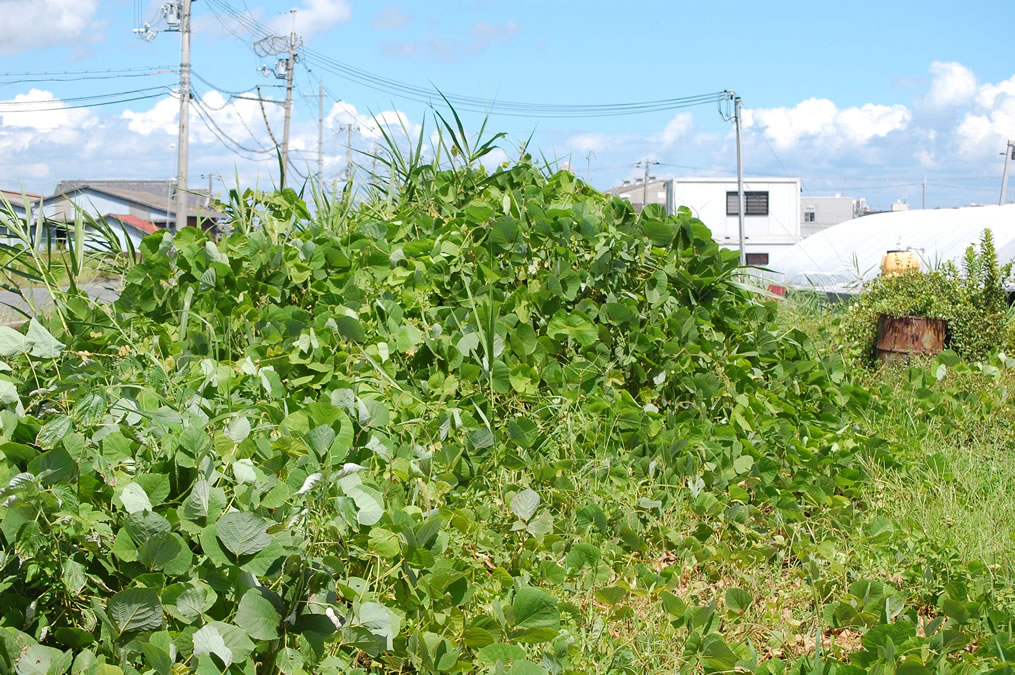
290, 67
1009, 153
320, 132
277, 45
740, 177
923, 200
644, 185
183, 142
348, 128
177, 15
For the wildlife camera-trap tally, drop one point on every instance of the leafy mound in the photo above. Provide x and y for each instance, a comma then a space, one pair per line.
439, 433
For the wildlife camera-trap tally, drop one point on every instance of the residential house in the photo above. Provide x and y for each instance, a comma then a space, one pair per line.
134, 208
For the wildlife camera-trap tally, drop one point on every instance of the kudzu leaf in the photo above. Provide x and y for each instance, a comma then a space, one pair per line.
524, 504
11, 341
535, 608
135, 609
209, 641
258, 616
738, 600
41, 342
53, 432
134, 498
242, 533
238, 429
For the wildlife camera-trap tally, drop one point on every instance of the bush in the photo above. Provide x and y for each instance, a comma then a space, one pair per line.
972, 300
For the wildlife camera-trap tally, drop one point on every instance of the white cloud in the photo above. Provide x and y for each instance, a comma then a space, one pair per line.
391, 18
31, 24
677, 128
485, 32
483, 35
821, 122
312, 18
951, 84
589, 142
160, 117
41, 111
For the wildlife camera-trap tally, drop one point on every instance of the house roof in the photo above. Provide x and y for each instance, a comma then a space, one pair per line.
135, 222
18, 194
154, 194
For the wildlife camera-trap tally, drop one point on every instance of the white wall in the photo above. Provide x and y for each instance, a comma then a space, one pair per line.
706, 197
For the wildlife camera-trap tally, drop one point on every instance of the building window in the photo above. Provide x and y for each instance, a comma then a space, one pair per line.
809, 217
755, 203
757, 259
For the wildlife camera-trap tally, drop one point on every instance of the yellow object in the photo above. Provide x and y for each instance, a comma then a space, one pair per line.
895, 263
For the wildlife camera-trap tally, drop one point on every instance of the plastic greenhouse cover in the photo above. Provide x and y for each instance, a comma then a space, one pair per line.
840, 258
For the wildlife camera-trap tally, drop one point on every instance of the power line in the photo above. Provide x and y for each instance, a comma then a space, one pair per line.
432, 96
76, 78
4, 104
222, 134
75, 107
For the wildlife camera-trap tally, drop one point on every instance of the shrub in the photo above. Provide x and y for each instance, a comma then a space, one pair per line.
973, 300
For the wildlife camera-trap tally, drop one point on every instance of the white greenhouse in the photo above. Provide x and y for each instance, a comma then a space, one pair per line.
840, 258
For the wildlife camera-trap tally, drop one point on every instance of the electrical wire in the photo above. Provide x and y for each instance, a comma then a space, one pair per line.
87, 77
5, 104
86, 72
76, 107
432, 96
210, 125
222, 134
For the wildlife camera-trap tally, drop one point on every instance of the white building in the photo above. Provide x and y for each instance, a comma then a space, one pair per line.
771, 213
821, 213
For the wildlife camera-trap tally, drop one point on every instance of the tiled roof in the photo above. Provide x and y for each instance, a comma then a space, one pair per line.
151, 193
18, 193
135, 222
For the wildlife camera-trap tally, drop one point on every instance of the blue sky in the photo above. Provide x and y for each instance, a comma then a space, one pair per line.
864, 99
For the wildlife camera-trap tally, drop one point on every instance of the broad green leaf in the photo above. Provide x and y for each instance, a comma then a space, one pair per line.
258, 616
42, 660
524, 504
738, 600
208, 640
135, 609
611, 595
40, 342
237, 429
244, 472
535, 608
134, 498
242, 533
143, 526
380, 621
54, 431
384, 543
9, 394
11, 342
89, 409
574, 325
500, 652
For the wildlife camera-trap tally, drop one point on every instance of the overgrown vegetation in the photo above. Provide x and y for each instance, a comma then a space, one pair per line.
491, 422
973, 300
